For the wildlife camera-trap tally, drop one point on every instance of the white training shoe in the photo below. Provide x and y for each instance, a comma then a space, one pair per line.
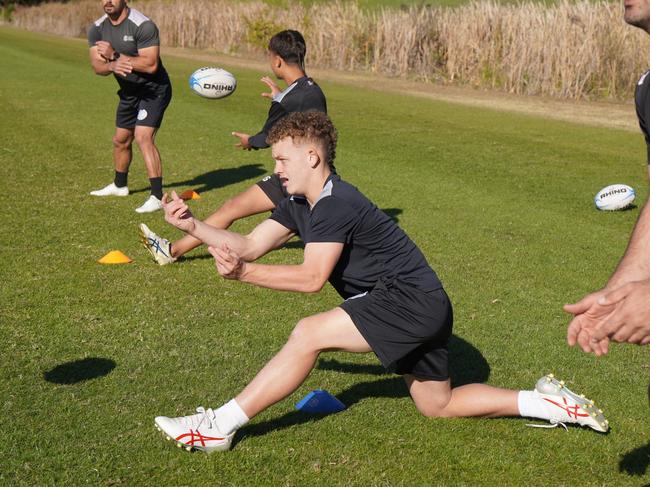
195, 432
152, 204
567, 407
159, 248
111, 190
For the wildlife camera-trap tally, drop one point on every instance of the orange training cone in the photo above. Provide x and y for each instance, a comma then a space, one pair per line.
115, 257
189, 194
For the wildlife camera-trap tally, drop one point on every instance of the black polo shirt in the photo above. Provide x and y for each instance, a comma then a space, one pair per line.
375, 248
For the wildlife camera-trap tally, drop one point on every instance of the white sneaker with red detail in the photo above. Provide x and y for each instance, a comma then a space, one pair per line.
195, 432
565, 406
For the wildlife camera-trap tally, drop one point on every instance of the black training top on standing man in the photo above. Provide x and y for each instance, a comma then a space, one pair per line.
300, 96
135, 32
642, 99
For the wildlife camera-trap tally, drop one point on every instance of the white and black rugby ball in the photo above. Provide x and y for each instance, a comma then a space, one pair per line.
212, 83
614, 197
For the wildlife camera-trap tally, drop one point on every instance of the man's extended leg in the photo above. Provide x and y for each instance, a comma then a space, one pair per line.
438, 399
122, 156
212, 430
551, 400
283, 374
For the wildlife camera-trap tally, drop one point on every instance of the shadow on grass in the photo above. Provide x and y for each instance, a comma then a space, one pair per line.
79, 370
393, 213
189, 258
635, 462
467, 366
218, 178
294, 244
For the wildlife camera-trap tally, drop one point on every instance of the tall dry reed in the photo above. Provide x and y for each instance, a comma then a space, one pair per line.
569, 50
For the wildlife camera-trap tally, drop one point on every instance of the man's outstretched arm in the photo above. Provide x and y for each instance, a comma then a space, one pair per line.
595, 309
319, 261
267, 236
635, 264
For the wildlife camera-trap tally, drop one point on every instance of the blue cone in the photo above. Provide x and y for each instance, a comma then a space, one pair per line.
320, 401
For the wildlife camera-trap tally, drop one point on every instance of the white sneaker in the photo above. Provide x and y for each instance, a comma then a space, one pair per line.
111, 190
195, 432
152, 204
566, 406
159, 248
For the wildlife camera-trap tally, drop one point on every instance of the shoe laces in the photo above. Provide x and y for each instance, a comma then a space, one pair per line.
554, 424
203, 416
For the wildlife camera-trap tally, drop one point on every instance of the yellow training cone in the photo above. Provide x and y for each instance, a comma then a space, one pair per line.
190, 194
115, 257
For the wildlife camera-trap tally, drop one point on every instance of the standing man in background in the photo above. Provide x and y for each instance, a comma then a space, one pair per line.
126, 43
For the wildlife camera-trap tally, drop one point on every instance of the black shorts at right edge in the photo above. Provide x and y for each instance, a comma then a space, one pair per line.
406, 327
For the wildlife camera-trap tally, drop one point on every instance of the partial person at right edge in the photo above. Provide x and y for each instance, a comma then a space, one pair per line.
620, 312
126, 43
286, 56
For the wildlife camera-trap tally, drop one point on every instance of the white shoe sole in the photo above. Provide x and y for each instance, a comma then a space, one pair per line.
148, 209
113, 192
191, 448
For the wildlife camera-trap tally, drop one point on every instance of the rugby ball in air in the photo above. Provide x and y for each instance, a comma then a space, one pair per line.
614, 197
212, 83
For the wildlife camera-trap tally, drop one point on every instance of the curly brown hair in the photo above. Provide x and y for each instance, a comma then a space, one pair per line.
311, 126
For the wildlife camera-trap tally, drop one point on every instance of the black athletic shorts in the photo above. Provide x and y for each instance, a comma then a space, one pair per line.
272, 187
143, 107
406, 327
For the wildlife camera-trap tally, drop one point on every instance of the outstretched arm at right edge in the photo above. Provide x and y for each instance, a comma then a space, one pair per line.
635, 264
621, 310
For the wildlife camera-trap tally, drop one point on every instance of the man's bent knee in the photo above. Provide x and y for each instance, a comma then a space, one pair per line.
304, 336
432, 410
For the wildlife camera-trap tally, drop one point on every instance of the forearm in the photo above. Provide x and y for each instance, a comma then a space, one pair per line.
216, 237
635, 264
143, 64
103, 67
296, 278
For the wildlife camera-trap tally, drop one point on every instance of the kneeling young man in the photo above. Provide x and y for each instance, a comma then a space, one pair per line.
395, 305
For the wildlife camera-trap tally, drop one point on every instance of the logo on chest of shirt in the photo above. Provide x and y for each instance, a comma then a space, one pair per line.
128, 38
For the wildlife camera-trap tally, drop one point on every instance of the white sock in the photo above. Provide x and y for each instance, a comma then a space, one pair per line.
230, 417
531, 405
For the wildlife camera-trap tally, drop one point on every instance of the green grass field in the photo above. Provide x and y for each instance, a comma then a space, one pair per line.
500, 204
